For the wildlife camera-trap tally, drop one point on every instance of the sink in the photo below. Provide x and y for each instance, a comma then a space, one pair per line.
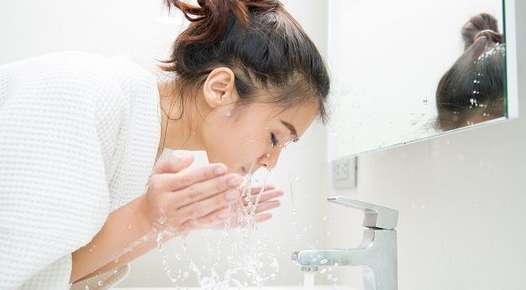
318, 287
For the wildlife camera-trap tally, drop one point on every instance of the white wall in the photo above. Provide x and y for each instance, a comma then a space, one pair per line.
33, 27
461, 200
132, 28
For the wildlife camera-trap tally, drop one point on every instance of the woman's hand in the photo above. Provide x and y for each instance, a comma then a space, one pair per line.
180, 199
179, 196
260, 201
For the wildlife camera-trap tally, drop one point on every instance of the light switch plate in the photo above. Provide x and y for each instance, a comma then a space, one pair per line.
344, 172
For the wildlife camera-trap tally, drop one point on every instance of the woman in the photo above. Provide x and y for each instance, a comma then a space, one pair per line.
79, 135
473, 89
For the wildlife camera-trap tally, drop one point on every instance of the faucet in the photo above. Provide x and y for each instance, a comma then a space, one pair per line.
377, 251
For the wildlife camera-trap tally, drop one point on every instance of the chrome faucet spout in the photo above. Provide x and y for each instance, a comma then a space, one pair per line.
377, 252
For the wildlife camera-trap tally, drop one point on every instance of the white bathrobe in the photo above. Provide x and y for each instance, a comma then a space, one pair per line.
78, 139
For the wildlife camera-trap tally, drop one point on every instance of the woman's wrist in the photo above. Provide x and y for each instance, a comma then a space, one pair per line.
106, 250
144, 215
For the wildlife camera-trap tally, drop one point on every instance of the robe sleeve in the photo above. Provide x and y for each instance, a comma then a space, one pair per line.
54, 194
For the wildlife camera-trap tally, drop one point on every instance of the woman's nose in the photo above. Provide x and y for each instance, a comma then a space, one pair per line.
269, 160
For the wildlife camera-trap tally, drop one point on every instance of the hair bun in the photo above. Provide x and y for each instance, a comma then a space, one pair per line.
481, 25
210, 17
490, 35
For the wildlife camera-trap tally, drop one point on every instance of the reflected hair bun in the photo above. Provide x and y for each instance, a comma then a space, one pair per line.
480, 26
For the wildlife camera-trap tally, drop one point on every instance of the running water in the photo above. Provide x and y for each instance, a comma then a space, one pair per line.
240, 257
237, 256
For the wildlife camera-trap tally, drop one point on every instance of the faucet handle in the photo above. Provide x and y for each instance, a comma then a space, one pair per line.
376, 216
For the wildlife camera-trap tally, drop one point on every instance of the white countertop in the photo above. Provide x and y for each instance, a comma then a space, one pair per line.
321, 287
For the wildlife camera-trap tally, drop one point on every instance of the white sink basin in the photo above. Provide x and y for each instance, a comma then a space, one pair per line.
320, 287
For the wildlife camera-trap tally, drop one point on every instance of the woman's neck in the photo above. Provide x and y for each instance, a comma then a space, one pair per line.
178, 131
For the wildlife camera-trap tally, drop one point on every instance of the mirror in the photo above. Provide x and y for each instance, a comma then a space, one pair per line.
409, 70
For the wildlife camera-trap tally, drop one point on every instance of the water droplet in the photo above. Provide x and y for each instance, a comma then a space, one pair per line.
162, 219
100, 283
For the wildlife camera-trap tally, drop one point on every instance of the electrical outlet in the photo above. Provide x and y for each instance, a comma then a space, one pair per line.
344, 172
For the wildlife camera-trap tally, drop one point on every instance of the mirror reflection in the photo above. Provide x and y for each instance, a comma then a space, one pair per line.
413, 70
472, 90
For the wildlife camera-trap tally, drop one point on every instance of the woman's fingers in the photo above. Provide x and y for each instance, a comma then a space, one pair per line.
214, 219
214, 210
263, 217
204, 207
185, 178
267, 206
260, 216
172, 164
257, 189
228, 184
267, 195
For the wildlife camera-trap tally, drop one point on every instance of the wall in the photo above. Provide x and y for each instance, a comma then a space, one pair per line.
461, 200
132, 28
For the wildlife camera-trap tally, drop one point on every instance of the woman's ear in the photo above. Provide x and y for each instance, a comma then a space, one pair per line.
219, 88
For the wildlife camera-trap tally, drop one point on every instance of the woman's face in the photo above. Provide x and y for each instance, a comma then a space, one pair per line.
248, 137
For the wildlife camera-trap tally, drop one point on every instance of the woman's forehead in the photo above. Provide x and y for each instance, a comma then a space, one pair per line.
298, 116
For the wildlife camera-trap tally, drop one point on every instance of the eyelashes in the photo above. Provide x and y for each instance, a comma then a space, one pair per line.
274, 141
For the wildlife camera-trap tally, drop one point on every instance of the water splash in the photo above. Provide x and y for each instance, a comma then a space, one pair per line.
240, 257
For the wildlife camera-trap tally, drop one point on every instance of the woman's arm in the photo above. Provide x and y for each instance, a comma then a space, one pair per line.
188, 200
147, 239
123, 227
184, 198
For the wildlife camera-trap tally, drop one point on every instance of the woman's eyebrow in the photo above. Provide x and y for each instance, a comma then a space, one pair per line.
291, 128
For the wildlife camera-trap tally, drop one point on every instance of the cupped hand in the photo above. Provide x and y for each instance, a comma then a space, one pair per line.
179, 196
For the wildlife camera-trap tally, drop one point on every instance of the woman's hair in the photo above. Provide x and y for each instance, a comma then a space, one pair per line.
475, 84
260, 41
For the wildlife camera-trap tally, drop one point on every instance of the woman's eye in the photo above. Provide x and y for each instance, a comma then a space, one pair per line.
273, 139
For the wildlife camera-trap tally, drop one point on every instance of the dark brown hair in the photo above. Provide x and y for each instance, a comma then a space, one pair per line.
260, 41
475, 84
